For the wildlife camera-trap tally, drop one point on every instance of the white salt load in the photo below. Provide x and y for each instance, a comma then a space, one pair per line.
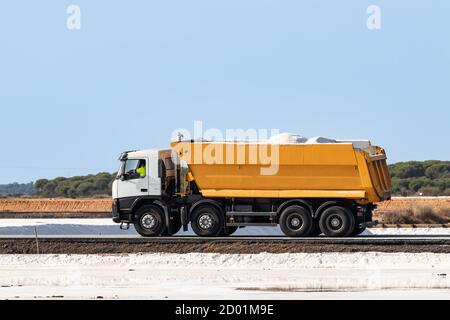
320, 140
287, 138
293, 138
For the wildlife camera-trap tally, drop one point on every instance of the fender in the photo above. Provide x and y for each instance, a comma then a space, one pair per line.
202, 202
136, 201
166, 212
323, 206
150, 200
288, 203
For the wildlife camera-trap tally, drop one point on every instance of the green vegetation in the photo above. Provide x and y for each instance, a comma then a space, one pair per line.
428, 178
17, 189
76, 187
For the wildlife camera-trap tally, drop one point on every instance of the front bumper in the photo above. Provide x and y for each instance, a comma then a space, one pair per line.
118, 215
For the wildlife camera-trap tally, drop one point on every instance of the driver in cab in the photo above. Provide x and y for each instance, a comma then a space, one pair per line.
141, 169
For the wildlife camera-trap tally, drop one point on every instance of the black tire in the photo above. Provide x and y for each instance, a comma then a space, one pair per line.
357, 231
174, 227
315, 232
206, 221
296, 221
337, 222
228, 231
149, 221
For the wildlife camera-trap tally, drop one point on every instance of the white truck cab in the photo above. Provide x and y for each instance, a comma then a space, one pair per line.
129, 183
146, 191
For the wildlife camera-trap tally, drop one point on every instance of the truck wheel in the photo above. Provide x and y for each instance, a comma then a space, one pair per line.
206, 221
174, 227
357, 231
228, 231
337, 222
149, 221
296, 221
316, 229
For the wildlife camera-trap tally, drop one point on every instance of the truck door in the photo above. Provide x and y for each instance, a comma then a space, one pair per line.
135, 181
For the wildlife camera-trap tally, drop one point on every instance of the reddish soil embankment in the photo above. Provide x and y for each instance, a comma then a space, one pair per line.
54, 205
104, 205
414, 211
397, 204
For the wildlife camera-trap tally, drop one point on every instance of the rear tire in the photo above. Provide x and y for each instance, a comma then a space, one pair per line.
174, 226
296, 221
316, 229
207, 221
357, 231
149, 221
228, 231
337, 222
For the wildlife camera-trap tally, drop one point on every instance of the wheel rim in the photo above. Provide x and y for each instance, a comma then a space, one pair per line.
295, 222
205, 221
149, 221
335, 222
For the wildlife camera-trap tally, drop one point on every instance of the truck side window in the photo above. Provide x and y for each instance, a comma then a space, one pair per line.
135, 168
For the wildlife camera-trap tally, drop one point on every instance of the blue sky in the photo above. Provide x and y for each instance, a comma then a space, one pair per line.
71, 101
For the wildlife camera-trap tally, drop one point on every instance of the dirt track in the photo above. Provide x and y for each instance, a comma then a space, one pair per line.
28, 246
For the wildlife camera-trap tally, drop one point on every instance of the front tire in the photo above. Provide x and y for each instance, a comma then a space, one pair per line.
296, 221
207, 221
149, 221
337, 222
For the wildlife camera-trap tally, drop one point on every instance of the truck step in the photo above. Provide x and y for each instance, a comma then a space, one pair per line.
253, 214
253, 224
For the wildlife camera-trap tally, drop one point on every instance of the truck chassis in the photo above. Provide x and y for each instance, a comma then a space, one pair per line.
155, 216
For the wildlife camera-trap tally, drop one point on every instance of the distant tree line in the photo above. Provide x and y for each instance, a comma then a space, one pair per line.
97, 185
427, 178
17, 189
76, 187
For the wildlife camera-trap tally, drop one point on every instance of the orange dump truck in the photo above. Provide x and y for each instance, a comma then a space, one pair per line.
218, 187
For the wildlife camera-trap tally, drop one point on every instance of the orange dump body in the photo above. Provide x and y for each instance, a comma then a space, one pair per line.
258, 170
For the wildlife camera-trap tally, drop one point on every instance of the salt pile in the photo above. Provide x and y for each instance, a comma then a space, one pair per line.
287, 138
293, 138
